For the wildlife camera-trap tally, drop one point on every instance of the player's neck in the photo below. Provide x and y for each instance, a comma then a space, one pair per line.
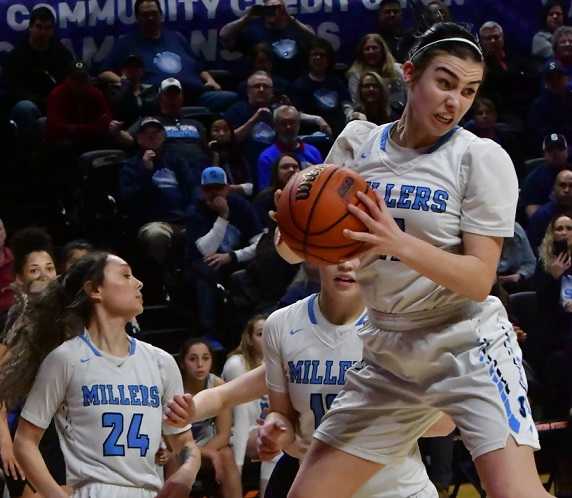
339, 312
410, 134
109, 336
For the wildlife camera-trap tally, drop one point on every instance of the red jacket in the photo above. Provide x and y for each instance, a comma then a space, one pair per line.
6, 278
77, 118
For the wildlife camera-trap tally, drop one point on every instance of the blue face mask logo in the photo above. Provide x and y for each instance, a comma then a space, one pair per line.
285, 49
168, 62
566, 293
263, 132
326, 99
165, 178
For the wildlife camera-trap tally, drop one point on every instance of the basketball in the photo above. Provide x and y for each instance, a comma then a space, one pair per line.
313, 213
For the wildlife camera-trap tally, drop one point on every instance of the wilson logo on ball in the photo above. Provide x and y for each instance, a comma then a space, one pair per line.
346, 186
305, 185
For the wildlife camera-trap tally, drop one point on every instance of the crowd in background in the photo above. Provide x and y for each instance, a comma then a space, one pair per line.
156, 156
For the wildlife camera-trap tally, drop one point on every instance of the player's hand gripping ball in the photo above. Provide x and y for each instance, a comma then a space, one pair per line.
313, 213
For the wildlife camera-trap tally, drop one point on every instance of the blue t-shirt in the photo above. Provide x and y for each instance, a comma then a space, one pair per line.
169, 56
307, 154
241, 112
288, 47
538, 185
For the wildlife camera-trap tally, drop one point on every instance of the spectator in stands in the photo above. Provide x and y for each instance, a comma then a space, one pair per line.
540, 182
561, 203
562, 45
262, 60
78, 114
33, 69
553, 283
6, 274
222, 233
485, 125
321, 91
550, 112
390, 27
287, 125
157, 188
517, 262
165, 53
270, 23
286, 165
72, 252
227, 153
373, 100
511, 80
184, 136
131, 98
553, 17
211, 435
372, 54
246, 357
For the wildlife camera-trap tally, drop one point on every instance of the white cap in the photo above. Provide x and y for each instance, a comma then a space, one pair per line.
169, 83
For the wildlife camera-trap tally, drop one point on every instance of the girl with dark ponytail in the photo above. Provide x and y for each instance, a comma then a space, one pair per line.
71, 360
436, 341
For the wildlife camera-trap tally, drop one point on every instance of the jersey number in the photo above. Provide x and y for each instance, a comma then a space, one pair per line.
134, 439
317, 405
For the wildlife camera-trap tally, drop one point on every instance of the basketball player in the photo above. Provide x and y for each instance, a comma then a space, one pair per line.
434, 340
308, 347
106, 390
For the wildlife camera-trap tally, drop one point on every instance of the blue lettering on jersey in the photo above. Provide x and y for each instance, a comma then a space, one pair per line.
406, 191
415, 197
439, 198
318, 372
128, 395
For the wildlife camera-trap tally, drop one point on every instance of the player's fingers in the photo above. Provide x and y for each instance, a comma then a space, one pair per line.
373, 207
277, 195
177, 409
272, 216
20, 472
366, 237
364, 217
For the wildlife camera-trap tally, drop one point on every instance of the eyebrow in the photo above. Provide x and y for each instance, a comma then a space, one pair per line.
453, 75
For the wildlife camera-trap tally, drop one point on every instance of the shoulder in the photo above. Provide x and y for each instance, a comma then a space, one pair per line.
289, 316
352, 137
67, 353
160, 356
234, 361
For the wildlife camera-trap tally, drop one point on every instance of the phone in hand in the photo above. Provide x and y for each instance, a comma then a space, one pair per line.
264, 10
559, 246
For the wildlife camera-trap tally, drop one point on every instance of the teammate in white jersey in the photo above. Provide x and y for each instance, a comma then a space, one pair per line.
107, 391
434, 342
309, 346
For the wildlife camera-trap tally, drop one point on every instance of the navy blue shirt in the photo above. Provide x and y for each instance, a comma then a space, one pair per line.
169, 56
243, 224
161, 194
288, 47
550, 113
538, 185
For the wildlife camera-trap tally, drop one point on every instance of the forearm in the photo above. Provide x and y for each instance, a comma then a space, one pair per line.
218, 442
287, 423
210, 242
5, 435
31, 460
465, 275
189, 459
230, 31
206, 77
300, 26
242, 132
247, 253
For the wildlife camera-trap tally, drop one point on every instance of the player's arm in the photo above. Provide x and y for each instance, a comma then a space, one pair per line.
184, 409
26, 448
189, 459
277, 432
471, 274
223, 424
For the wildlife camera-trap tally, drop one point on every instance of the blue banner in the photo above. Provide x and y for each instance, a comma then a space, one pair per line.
89, 27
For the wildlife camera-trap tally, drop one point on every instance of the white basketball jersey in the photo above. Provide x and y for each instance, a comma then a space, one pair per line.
108, 410
308, 357
461, 184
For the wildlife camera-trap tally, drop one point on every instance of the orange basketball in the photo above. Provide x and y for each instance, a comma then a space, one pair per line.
313, 213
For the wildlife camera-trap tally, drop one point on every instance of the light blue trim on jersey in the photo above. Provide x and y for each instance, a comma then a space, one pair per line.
85, 338
387, 131
312, 313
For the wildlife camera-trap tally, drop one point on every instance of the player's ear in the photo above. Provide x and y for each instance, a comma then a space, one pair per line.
92, 291
408, 69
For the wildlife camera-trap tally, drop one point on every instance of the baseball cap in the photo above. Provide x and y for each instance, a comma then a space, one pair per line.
553, 67
213, 175
150, 121
169, 83
554, 141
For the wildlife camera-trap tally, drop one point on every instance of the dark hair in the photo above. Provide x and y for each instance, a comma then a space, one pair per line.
28, 240
274, 171
320, 43
441, 31
57, 314
382, 114
138, 3
74, 245
546, 9
42, 14
188, 344
484, 102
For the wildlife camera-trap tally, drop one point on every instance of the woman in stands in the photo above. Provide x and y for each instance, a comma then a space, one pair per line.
374, 103
212, 435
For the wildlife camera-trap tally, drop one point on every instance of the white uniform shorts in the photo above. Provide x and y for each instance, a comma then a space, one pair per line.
464, 361
100, 490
